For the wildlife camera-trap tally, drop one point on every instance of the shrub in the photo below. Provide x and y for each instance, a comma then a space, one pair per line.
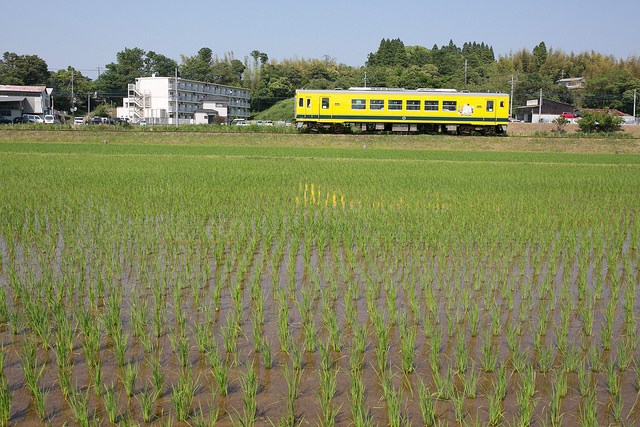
599, 122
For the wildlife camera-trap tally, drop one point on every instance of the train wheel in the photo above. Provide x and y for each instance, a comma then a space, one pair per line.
464, 130
338, 128
489, 130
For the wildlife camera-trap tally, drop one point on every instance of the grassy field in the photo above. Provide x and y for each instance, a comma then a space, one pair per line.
251, 279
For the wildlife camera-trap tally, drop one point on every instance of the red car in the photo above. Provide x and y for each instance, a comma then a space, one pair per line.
567, 115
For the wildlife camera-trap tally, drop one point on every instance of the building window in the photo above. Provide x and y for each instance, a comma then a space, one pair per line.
395, 104
376, 104
358, 104
413, 105
430, 105
449, 105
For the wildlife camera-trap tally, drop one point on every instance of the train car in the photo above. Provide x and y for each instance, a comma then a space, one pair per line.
400, 110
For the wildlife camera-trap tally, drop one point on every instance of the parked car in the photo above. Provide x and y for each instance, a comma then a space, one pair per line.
5, 120
567, 115
19, 120
78, 121
33, 118
51, 119
239, 122
143, 123
95, 121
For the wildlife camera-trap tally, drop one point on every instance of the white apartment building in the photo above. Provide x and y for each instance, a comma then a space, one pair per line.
157, 99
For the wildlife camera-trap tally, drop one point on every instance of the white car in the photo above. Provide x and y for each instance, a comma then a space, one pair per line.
50, 119
33, 118
78, 121
239, 122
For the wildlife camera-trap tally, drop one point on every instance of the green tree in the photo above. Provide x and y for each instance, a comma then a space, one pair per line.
23, 70
540, 53
609, 90
157, 63
198, 67
390, 53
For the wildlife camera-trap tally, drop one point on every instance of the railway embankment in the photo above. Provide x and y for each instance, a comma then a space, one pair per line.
532, 128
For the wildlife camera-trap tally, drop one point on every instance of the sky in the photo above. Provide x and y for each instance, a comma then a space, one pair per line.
88, 35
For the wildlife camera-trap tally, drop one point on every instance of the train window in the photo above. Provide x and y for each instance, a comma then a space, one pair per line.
395, 104
489, 106
308, 102
376, 104
449, 105
301, 103
358, 104
501, 104
413, 105
431, 105
325, 103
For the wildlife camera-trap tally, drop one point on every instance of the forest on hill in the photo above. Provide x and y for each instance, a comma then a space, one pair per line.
609, 82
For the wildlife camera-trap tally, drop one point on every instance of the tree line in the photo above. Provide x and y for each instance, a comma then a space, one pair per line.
610, 82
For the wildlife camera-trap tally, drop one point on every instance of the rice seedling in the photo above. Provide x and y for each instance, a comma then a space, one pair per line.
182, 395
588, 412
393, 399
129, 375
220, 372
496, 413
545, 359
426, 404
110, 403
145, 400
249, 386
489, 353
79, 405
6, 397
157, 377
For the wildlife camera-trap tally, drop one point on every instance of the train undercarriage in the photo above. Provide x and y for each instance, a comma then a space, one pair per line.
463, 129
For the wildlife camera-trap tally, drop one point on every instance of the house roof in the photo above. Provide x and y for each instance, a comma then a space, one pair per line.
12, 98
13, 88
602, 110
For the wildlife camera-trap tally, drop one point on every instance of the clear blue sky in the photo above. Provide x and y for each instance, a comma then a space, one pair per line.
88, 35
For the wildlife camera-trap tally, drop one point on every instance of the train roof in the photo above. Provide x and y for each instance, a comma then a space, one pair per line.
400, 91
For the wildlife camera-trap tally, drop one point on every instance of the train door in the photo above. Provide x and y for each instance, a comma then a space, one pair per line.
491, 110
325, 108
303, 109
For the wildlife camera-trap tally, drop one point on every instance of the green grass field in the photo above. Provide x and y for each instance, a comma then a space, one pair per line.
187, 278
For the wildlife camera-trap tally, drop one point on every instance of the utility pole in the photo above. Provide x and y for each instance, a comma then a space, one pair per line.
465, 73
365, 79
176, 97
513, 83
634, 105
540, 108
73, 102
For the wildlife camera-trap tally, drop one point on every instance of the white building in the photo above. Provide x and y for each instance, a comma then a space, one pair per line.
572, 83
155, 99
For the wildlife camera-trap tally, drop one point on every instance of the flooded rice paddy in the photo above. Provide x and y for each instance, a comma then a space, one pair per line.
337, 288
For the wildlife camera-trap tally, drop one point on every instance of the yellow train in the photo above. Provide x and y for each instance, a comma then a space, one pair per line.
400, 110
